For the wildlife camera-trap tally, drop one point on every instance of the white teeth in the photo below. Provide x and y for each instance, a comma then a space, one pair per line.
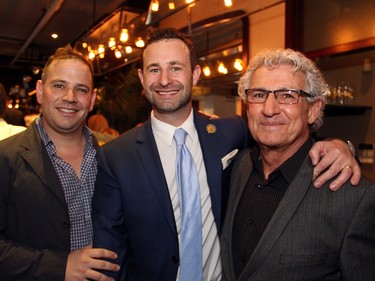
67, 110
167, 93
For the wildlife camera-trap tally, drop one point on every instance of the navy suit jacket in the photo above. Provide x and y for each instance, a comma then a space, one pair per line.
132, 210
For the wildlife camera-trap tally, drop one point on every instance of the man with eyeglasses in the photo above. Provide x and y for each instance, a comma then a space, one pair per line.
277, 226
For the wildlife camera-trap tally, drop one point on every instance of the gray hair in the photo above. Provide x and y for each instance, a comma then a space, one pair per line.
316, 86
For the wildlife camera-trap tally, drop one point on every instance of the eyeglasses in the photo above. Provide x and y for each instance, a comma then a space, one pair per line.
282, 96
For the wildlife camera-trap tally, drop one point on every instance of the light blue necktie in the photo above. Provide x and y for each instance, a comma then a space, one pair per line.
190, 207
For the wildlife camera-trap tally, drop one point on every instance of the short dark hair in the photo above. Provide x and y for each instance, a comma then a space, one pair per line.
3, 99
66, 53
159, 34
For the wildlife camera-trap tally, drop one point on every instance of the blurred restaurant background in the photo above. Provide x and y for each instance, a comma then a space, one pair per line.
339, 35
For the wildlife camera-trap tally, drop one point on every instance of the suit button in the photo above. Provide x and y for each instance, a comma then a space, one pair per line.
66, 224
175, 259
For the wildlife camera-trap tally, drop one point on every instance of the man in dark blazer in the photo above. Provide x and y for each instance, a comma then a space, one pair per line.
142, 227
278, 226
45, 226
135, 206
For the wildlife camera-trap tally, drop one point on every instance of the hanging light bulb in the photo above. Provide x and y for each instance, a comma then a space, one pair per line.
206, 71
140, 43
91, 55
111, 43
124, 36
155, 5
222, 69
171, 5
101, 49
228, 3
189, 1
128, 49
84, 45
238, 64
118, 53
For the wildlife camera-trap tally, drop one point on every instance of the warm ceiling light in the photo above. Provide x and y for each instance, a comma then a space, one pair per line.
206, 71
101, 49
54, 35
118, 53
111, 42
171, 5
155, 5
91, 55
101, 55
124, 36
128, 49
140, 43
238, 64
228, 3
36, 70
84, 45
222, 69
189, 1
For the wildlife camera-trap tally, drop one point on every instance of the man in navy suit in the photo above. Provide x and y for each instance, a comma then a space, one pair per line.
135, 204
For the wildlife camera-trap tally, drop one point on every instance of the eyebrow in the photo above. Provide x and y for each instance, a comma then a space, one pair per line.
169, 63
66, 82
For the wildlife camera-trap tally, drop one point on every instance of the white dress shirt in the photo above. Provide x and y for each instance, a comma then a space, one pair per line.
163, 134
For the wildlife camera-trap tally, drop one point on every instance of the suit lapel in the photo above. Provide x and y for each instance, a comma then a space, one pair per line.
293, 196
149, 156
36, 156
209, 142
241, 171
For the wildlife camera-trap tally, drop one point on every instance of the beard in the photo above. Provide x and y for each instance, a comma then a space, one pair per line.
168, 105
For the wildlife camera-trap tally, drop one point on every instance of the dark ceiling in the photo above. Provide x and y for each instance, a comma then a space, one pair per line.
26, 26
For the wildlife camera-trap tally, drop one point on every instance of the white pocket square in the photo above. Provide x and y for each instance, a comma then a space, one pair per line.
227, 159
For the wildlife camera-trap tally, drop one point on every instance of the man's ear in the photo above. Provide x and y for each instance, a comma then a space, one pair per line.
39, 91
140, 75
314, 111
196, 74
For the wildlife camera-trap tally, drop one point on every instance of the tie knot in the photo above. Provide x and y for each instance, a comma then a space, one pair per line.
179, 136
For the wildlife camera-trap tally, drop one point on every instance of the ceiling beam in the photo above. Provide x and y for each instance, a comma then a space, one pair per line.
51, 11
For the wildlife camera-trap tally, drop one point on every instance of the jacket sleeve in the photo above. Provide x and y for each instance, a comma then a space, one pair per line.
108, 217
357, 258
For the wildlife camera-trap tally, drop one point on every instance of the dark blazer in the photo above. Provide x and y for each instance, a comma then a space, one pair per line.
34, 219
132, 210
315, 234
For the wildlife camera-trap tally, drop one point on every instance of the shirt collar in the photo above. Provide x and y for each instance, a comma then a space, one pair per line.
48, 142
290, 167
166, 131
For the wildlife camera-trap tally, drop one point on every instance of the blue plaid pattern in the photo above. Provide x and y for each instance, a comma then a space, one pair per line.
78, 191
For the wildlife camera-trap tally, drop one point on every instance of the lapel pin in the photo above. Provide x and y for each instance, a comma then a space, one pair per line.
211, 128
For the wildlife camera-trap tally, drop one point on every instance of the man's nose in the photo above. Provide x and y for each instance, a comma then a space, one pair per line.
70, 95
